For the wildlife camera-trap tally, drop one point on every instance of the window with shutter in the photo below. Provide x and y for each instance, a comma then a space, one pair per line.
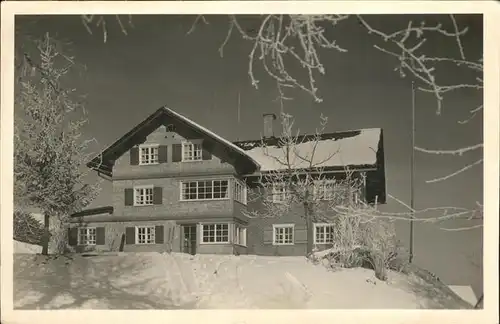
145, 234
87, 236
148, 154
144, 195
191, 152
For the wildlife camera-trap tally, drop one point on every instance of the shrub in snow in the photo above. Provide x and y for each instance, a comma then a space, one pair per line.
363, 241
27, 228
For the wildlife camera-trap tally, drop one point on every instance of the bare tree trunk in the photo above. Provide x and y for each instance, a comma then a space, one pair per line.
46, 234
309, 229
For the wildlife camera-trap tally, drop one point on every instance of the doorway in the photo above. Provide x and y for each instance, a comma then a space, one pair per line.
189, 239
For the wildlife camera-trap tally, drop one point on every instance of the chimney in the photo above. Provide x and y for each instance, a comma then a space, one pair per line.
268, 125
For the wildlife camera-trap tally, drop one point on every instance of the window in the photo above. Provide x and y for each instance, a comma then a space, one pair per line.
148, 154
145, 234
87, 236
324, 189
323, 233
283, 234
240, 192
204, 190
240, 235
215, 233
143, 196
191, 152
279, 193
339, 192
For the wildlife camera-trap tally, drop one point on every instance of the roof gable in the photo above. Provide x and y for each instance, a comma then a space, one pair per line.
104, 161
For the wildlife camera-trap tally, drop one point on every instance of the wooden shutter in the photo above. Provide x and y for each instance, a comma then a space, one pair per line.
129, 197
100, 237
134, 156
73, 236
130, 235
162, 154
300, 235
176, 152
159, 234
206, 153
157, 195
268, 235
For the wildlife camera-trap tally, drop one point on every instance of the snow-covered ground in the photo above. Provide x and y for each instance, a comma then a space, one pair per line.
26, 248
173, 281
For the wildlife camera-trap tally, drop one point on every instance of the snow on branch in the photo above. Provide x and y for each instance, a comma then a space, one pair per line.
407, 46
280, 40
50, 153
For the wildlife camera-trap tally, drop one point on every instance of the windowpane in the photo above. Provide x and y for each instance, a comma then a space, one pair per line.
279, 192
191, 152
144, 196
215, 233
283, 234
211, 189
87, 236
324, 234
149, 155
145, 234
240, 192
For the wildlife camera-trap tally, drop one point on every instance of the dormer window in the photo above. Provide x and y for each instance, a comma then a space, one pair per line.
191, 152
148, 154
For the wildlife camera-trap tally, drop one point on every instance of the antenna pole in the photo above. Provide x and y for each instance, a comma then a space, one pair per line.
412, 171
238, 138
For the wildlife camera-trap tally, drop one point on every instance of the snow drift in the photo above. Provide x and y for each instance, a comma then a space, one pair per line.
180, 281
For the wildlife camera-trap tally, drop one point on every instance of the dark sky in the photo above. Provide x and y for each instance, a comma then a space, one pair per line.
130, 76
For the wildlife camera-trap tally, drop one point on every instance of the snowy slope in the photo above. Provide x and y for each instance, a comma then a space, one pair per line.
21, 247
173, 281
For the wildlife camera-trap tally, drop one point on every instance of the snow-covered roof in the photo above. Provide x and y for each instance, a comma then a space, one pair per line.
356, 150
209, 132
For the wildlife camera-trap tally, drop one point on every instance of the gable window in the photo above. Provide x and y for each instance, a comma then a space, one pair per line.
145, 234
240, 192
148, 154
143, 196
204, 190
87, 236
323, 233
279, 193
191, 152
240, 235
215, 233
283, 234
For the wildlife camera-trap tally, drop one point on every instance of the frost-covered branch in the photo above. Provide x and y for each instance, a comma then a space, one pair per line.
283, 40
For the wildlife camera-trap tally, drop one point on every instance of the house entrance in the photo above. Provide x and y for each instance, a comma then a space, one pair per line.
189, 239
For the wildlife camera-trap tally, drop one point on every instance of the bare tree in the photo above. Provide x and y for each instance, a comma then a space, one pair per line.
49, 152
295, 183
282, 41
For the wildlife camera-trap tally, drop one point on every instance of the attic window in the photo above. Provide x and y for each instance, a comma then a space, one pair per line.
148, 154
170, 128
191, 152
